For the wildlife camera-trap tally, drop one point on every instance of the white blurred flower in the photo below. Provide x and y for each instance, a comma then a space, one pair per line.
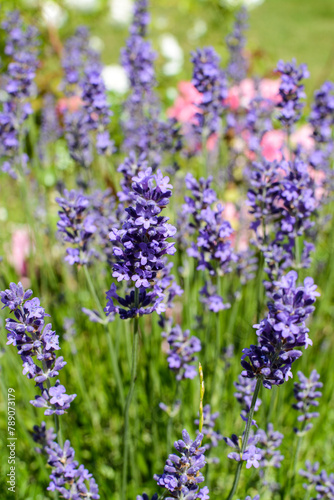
53, 14
115, 78
96, 43
86, 5
199, 29
172, 51
121, 11
250, 4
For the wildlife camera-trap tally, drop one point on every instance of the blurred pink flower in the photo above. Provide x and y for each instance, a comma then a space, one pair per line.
303, 136
272, 145
184, 107
242, 94
71, 104
20, 249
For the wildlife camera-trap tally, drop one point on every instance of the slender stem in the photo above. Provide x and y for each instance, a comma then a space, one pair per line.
245, 439
127, 405
171, 418
112, 352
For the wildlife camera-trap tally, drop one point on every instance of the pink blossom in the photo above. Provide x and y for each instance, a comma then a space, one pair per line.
184, 107
242, 94
71, 104
303, 136
20, 249
272, 145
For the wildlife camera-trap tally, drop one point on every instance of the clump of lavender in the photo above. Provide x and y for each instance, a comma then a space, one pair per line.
269, 442
236, 41
322, 483
67, 477
181, 356
282, 333
182, 473
282, 202
50, 129
246, 388
306, 393
83, 82
211, 82
35, 339
21, 48
213, 437
142, 126
77, 55
322, 119
291, 91
77, 227
212, 248
139, 247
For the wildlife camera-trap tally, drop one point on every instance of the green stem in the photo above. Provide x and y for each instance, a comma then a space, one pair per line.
171, 417
245, 438
127, 405
112, 352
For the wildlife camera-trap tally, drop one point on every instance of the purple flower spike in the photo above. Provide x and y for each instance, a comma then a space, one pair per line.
140, 248
67, 477
37, 345
282, 333
211, 82
306, 393
237, 67
181, 357
83, 84
291, 91
77, 226
182, 475
21, 47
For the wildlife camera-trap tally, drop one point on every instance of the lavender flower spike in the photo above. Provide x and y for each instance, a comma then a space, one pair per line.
211, 82
77, 227
306, 393
181, 357
21, 47
34, 339
67, 477
291, 91
282, 333
140, 246
182, 476
237, 67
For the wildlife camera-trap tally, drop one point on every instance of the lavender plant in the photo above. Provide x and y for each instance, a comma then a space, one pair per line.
35, 339
18, 85
181, 357
306, 393
67, 477
182, 477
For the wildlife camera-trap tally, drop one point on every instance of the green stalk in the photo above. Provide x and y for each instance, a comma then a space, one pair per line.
245, 438
171, 417
113, 357
128, 404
